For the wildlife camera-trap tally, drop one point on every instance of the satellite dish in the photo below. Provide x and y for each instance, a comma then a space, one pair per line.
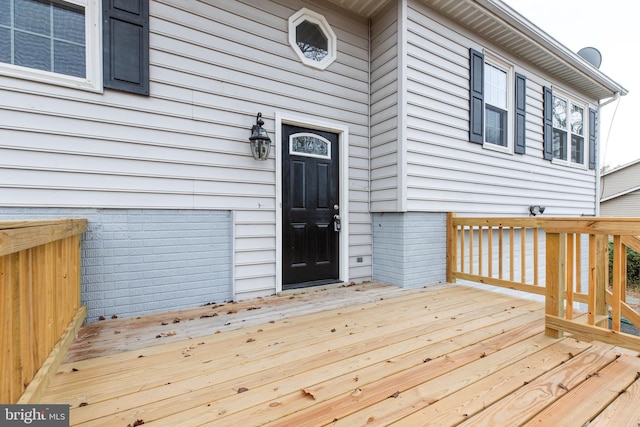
591, 55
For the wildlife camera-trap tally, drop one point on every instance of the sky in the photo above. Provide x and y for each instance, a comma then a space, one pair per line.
612, 27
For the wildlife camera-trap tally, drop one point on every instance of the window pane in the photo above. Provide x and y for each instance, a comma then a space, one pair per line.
495, 86
68, 24
496, 126
559, 144
33, 15
312, 41
577, 119
5, 18
69, 59
5, 45
559, 113
311, 145
577, 149
32, 51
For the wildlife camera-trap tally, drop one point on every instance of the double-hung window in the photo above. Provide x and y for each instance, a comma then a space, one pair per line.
55, 41
497, 104
568, 130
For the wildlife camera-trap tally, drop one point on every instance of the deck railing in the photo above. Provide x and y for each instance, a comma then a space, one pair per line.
564, 259
39, 302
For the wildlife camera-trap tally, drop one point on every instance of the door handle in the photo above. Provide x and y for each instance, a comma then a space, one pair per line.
337, 225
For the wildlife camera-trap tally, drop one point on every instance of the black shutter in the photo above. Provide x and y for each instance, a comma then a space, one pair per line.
521, 104
593, 119
548, 123
126, 45
476, 96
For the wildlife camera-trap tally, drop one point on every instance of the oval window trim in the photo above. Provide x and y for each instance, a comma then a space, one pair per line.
300, 17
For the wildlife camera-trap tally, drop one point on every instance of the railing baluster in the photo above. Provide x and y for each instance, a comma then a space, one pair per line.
462, 254
535, 257
569, 276
523, 255
490, 251
617, 281
511, 257
500, 251
591, 316
480, 260
471, 249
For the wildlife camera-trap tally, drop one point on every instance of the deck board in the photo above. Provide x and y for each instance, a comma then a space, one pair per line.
363, 355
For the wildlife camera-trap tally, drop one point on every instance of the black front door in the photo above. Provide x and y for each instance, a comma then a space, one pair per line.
310, 207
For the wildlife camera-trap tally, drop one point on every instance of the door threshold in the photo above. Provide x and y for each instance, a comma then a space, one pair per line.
310, 286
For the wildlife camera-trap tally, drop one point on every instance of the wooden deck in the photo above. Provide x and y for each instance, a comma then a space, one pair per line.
351, 356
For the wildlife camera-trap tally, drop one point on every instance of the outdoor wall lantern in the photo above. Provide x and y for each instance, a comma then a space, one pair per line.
259, 140
536, 210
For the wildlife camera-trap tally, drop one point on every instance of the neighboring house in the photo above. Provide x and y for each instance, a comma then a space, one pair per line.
388, 114
620, 191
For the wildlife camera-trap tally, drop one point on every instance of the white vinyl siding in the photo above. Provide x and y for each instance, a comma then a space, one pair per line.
446, 173
214, 66
384, 110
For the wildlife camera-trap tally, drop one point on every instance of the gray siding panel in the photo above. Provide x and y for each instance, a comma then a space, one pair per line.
447, 173
384, 109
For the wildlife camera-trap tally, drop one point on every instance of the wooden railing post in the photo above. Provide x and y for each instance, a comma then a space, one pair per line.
602, 280
452, 240
556, 256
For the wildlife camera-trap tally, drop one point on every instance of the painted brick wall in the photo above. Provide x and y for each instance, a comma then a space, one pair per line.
409, 248
141, 261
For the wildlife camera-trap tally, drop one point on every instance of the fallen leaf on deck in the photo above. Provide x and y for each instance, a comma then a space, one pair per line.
394, 395
253, 308
83, 404
164, 323
114, 316
176, 320
136, 423
231, 312
242, 389
208, 315
101, 318
116, 332
251, 340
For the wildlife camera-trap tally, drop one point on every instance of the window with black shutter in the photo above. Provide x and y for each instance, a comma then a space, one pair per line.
497, 104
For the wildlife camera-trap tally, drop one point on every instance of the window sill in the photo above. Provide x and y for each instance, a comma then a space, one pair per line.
498, 148
568, 164
51, 78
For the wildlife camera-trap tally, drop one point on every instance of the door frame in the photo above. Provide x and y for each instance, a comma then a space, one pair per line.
343, 178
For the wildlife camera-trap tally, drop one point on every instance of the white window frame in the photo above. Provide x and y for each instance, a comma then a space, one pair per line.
93, 55
299, 17
571, 101
497, 62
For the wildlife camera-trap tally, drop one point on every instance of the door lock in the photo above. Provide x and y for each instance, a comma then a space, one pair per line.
337, 225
